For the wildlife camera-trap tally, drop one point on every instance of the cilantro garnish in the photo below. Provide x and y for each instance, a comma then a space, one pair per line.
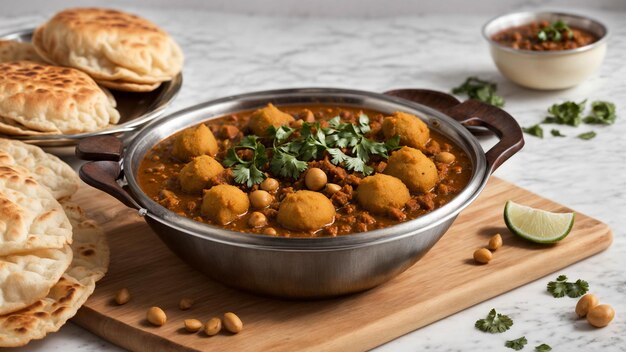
561, 287
479, 89
587, 135
534, 130
543, 348
247, 171
567, 113
554, 32
602, 113
494, 323
556, 133
516, 344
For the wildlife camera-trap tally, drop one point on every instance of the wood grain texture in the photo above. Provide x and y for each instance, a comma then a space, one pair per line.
445, 281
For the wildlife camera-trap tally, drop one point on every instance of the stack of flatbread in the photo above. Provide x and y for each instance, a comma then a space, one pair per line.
51, 254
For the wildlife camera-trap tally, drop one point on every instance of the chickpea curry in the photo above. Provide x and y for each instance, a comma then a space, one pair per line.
545, 36
305, 171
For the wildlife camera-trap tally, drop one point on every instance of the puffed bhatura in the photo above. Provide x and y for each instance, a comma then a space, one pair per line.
224, 203
413, 132
11, 50
268, 116
306, 211
380, 193
196, 175
413, 168
194, 142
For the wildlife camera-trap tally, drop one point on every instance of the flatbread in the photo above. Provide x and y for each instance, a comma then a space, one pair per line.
45, 98
109, 45
27, 277
31, 218
47, 169
11, 50
129, 87
90, 262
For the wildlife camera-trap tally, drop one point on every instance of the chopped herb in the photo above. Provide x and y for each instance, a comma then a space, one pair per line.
556, 133
561, 287
567, 113
247, 171
543, 348
494, 323
602, 113
587, 135
534, 130
516, 344
554, 32
479, 89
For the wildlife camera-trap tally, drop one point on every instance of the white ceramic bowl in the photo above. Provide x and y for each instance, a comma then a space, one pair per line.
547, 70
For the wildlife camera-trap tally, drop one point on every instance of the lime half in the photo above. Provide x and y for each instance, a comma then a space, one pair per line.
537, 225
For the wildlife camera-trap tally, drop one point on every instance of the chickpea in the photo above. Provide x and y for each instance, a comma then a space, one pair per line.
185, 303
260, 199
270, 184
332, 188
257, 219
270, 231
232, 323
122, 296
600, 315
213, 326
445, 157
482, 256
495, 242
156, 316
193, 325
585, 303
315, 179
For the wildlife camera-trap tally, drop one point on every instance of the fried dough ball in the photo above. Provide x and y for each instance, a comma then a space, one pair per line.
379, 193
414, 168
196, 174
270, 115
306, 211
194, 142
413, 132
224, 203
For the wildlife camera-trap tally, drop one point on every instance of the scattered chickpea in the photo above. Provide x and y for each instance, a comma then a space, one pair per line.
332, 188
213, 326
257, 219
315, 179
600, 315
122, 296
482, 256
585, 303
185, 303
260, 199
232, 323
445, 157
156, 316
270, 231
193, 325
495, 242
269, 184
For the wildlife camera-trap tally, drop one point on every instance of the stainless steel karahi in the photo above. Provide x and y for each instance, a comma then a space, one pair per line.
305, 267
136, 109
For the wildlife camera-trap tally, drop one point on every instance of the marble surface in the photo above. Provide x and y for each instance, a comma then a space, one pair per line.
231, 53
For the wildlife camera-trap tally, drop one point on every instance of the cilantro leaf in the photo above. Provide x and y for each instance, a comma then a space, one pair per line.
562, 287
587, 135
516, 344
494, 323
543, 348
553, 32
476, 88
567, 113
534, 130
286, 165
556, 133
602, 113
247, 171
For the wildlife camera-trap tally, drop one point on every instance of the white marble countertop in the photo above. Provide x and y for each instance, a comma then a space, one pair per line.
230, 53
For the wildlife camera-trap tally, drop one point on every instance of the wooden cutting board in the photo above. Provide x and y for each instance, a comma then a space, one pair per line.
444, 282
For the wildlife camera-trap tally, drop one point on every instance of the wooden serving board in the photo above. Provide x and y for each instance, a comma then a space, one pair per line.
445, 281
